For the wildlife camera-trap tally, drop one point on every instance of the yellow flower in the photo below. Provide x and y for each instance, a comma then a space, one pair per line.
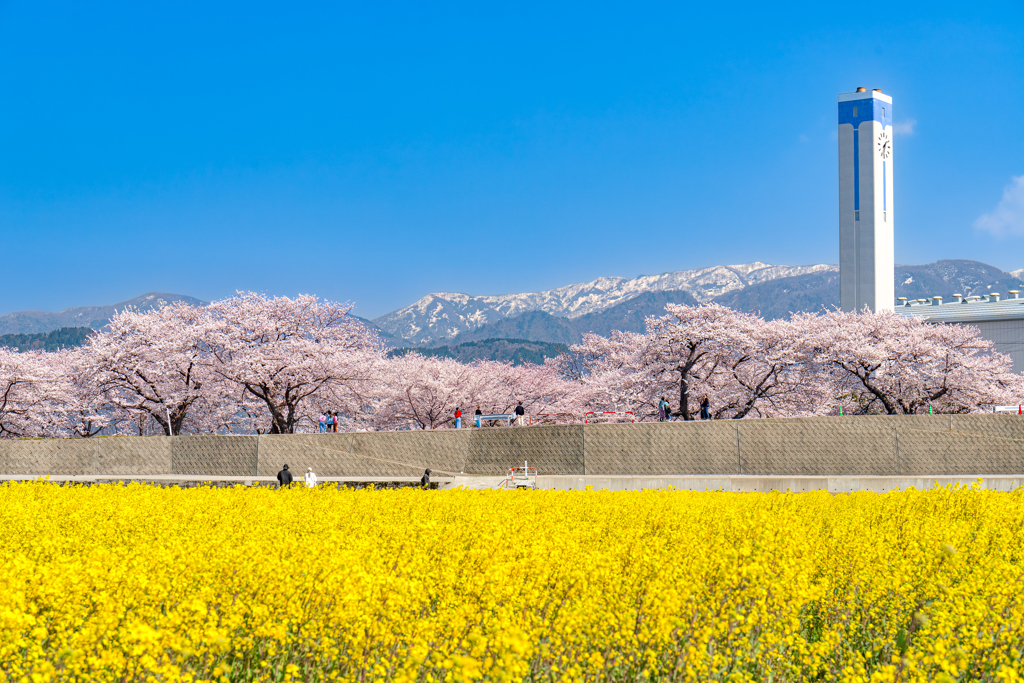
139, 583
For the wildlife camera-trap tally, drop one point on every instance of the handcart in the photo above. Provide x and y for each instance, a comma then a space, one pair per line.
524, 477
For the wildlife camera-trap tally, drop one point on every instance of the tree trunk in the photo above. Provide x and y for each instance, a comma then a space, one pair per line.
177, 413
684, 396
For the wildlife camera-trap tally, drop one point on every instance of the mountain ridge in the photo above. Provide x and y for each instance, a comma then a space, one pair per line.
442, 316
771, 299
601, 305
628, 316
515, 351
95, 317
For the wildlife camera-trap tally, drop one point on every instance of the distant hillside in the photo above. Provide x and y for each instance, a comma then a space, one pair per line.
516, 351
390, 340
955, 276
64, 338
775, 299
34, 322
534, 325
817, 291
627, 316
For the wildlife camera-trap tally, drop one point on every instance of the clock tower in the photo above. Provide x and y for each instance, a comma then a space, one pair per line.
866, 260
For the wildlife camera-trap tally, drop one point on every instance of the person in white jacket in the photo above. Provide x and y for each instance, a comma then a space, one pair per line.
310, 478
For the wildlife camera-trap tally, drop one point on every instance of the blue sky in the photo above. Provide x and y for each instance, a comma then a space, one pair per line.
375, 152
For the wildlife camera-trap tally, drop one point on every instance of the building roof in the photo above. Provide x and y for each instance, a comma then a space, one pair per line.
971, 310
868, 95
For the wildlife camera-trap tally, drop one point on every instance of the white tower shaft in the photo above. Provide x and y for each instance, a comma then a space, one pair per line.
866, 252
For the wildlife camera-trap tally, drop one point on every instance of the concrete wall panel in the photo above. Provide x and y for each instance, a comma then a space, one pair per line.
224, 455
554, 449
961, 444
809, 446
662, 448
870, 446
391, 454
106, 455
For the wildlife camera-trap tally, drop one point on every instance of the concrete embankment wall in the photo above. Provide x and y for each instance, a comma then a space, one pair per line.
819, 446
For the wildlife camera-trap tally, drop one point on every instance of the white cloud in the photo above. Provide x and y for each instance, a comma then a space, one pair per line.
904, 127
1008, 216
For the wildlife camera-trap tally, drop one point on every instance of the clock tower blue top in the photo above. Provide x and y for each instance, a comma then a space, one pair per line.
857, 107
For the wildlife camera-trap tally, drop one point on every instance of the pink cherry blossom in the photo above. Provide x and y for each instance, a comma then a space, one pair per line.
271, 365
285, 353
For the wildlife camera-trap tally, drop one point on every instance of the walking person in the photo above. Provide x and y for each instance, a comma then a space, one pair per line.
330, 421
478, 414
323, 423
425, 479
662, 409
705, 408
458, 418
310, 478
284, 477
520, 414
335, 421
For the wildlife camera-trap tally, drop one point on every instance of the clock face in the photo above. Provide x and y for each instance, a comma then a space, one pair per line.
884, 145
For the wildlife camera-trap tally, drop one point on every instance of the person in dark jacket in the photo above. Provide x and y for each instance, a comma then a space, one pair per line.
478, 414
520, 414
705, 409
284, 477
425, 479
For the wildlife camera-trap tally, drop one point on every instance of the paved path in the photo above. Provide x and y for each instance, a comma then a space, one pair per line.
794, 484
194, 480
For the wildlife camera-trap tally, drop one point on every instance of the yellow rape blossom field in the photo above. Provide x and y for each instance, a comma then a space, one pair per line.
139, 583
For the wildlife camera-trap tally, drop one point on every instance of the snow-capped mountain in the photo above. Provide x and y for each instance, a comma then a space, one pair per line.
441, 316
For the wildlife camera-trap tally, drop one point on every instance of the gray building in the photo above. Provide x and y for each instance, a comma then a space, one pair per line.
1001, 321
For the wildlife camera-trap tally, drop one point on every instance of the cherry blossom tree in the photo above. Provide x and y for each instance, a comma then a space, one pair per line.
857, 362
267, 365
766, 373
701, 346
156, 363
84, 409
541, 388
286, 352
241, 413
27, 388
225, 408
616, 372
687, 353
887, 363
423, 392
